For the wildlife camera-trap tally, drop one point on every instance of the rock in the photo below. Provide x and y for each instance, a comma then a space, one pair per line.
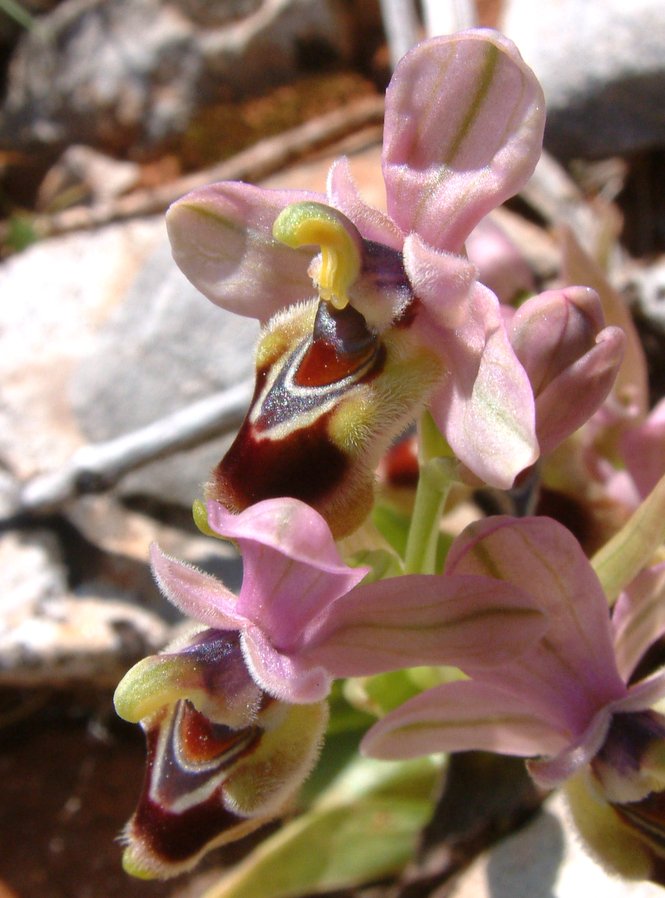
31, 572
50, 637
643, 284
9, 494
545, 859
129, 74
58, 295
646, 285
81, 640
164, 346
102, 334
126, 536
603, 74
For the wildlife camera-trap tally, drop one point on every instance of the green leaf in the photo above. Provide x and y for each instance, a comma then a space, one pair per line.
382, 562
382, 693
364, 827
393, 525
18, 13
20, 233
633, 548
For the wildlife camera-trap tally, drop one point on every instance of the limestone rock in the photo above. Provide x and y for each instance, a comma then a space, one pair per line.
57, 296
101, 334
120, 74
545, 859
49, 636
602, 67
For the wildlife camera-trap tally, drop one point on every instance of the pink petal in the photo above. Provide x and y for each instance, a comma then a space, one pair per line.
552, 771
196, 594
372, 224
578, 267
421, 619
540, 556
463, 132
576, 670
641, 696
573, 397
639, 618
462, 716
570, 356
502, 266
291, 567
221, 237
573, 667
644, 450
485, 405
551, 331
443, 282
283, 676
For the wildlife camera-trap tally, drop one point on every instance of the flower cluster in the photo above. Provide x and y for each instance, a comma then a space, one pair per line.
234, 713
373, 322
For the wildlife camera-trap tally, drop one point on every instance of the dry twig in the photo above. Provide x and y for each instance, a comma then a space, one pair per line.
97, 467
258, 161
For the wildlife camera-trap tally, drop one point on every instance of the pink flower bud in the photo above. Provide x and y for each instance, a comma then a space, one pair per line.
570, 357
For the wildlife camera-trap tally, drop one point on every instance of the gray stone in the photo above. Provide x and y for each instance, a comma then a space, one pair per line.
50, 637
130, 74
31, 571
87, 175
545, 859
645, 285
602, 67
164, 346
57, 295
101, 334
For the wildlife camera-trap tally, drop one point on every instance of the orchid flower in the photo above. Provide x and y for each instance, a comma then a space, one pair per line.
234, 714
569, 703
389, 315
592, 478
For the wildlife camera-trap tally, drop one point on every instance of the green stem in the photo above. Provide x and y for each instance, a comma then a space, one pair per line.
436, 477
18, 13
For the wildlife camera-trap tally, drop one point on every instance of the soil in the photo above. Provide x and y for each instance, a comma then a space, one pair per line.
71, 773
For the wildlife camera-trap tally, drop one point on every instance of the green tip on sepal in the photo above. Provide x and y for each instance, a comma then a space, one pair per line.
133, 868
200, 515
148, 686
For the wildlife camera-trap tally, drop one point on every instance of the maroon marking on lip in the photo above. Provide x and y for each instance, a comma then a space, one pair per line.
202, 741
177, 837
323, 365
304, 464
341, 345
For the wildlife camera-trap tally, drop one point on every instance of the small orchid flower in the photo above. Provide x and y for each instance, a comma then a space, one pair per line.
234, 714
222, 756
389, 314
569, 703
